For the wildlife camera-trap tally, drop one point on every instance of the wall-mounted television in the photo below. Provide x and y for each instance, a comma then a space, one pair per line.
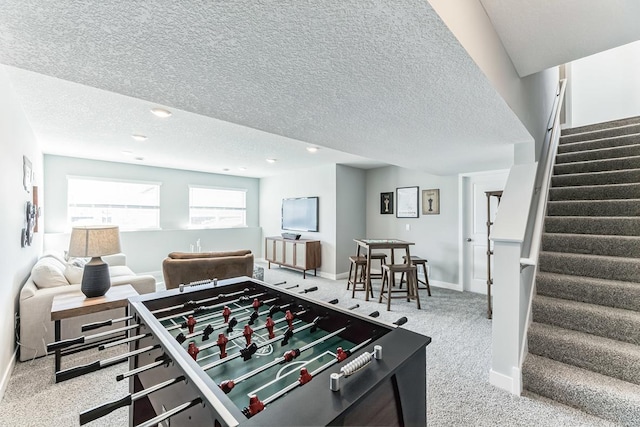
300, 214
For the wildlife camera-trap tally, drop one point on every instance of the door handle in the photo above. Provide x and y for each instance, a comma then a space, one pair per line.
469, 239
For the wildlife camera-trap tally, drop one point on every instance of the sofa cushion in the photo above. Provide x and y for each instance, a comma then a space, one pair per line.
48, 272
73, 273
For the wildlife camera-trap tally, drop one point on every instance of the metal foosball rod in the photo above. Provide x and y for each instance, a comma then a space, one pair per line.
208, 330
170, 413
192, 303
67, 374
250, 350
106, 408
124, 341
198, 308
84, 338
110, 322
288, 356
161, 360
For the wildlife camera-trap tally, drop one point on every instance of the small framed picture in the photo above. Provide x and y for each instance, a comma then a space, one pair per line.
386, 203
407, 205
431, 202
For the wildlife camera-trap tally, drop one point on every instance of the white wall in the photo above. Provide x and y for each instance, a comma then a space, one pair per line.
319, 181
435, 236
605, 86
530, 98
146, 249
17, 140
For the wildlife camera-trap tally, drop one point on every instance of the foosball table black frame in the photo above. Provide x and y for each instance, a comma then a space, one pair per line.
390, 391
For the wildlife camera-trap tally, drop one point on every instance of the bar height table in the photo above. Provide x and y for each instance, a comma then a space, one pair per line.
369, 245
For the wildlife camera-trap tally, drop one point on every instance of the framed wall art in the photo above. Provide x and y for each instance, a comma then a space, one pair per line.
431, 202
407, 202
386, 203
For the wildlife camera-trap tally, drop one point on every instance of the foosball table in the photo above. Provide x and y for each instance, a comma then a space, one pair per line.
243, 352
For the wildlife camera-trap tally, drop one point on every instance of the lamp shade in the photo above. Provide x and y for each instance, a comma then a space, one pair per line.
94, 241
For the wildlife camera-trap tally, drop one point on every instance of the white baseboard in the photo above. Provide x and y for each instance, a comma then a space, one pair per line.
4, 382
446, 285
511, 384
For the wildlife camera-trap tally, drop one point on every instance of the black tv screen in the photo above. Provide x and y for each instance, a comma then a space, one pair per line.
300, 214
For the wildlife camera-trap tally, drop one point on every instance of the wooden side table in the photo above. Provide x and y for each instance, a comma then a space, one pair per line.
73, 304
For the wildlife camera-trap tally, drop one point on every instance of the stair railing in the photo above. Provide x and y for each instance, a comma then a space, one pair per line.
517, 237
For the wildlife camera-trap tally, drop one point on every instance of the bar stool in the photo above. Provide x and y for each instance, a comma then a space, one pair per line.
382, 257
419, 262
388, 279
358, 268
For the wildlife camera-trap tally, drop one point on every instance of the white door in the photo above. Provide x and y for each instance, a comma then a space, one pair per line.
474, 228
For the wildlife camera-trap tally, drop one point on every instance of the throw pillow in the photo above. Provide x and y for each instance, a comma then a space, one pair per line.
73, 273
48, 272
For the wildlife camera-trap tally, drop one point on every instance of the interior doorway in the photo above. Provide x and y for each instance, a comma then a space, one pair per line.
474, 226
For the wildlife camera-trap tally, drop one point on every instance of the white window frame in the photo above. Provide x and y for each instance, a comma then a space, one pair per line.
219, 207
123, 226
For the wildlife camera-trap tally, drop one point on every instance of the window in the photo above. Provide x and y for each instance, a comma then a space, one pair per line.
129, 204
217, 207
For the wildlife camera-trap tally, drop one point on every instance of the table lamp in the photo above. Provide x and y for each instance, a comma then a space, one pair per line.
95, 241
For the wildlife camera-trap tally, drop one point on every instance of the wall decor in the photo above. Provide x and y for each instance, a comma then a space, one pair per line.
27, 174
431, 202
407, 202
26, 236
386, 203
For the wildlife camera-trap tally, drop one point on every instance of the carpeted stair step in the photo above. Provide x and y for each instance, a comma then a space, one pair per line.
591, 290
597, 165
605, 356
596, 178
628, 207
596, 192
605, 397
607, 322
603, 267
616, 141
602, 125
602, 133
600, 153
608, 225
592, 244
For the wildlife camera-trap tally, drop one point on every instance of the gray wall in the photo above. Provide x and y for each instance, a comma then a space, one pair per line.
146, 249
16, 140
435, 236
319, 181
351, 217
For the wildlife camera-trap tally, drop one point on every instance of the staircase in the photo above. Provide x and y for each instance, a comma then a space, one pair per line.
584, 342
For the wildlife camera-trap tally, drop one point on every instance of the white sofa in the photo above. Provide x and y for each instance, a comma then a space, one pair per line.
53, 275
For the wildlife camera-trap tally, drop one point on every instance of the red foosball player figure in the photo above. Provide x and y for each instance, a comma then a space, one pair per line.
226, 312
289, 318
191, 322
269, 324
247, 332
305, 376
193, 350
256, 304
222, 345
341, 354
227, 386
255, 406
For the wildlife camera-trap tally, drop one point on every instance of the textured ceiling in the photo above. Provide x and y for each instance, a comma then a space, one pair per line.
539, 35
384, 80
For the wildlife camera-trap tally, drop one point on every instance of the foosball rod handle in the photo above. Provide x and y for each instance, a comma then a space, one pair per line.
374, 314
96, 325
284, 282
311, 289
334, 301
401, 321
102, 410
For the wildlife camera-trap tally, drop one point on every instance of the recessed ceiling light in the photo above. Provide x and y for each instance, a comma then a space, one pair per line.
139, 137
127, 152
140, 158
225, 170
242, 168
161, 112
312, 149
272, 160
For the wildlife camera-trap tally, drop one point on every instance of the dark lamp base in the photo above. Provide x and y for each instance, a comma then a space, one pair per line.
95, 280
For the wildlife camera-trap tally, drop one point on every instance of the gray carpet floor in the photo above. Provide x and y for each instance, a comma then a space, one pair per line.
458, 363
